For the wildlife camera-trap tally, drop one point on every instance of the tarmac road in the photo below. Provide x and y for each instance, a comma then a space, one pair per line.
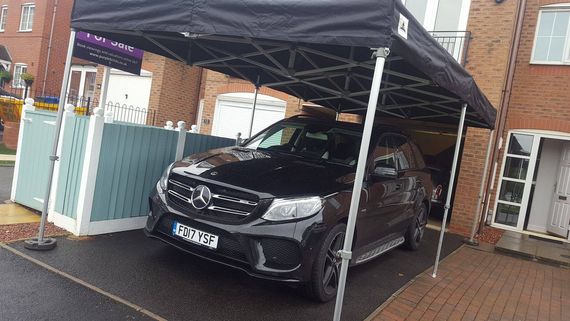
29, 292
179, 286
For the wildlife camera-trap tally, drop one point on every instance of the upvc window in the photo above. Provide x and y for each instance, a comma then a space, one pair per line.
3, 17
440, 15
17, 81
552, 38
514, 177
27, 18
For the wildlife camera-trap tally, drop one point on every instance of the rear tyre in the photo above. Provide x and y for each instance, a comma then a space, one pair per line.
326, 269
415, 232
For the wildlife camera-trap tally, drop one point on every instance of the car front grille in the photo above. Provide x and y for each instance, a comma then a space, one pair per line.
227, 205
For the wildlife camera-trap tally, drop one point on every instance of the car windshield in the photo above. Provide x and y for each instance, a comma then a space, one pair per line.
323, 142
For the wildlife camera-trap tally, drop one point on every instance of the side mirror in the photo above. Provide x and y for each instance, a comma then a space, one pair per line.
382, 171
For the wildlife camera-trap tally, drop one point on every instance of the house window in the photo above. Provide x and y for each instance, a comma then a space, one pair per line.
17, 81
3, 16
27, 19
440, 15
552, 39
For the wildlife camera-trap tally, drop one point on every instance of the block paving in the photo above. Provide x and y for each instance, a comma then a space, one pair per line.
479, 285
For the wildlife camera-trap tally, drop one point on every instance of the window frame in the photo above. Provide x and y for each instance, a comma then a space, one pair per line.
30, 23
14, 78
430, 16
561, 7
527, 181
3, 17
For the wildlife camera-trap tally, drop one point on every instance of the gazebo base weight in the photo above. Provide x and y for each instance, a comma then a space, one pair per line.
35, 245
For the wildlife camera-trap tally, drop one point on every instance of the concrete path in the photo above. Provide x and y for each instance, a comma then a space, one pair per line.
478, 285
6, 173
4, 157
16, 214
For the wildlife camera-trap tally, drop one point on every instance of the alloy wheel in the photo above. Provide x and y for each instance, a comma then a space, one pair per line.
331, 273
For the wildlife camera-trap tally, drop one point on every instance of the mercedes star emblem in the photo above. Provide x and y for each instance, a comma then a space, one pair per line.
201, 197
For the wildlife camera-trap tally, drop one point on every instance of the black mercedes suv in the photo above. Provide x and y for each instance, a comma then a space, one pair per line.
276, 206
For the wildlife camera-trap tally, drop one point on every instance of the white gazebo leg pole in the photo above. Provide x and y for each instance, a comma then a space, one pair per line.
40, 243
253, 108
477, 213
104, 88
346, 252
450, 187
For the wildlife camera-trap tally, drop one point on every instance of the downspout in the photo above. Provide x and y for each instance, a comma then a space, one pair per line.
505, 102
49, 47
200, 78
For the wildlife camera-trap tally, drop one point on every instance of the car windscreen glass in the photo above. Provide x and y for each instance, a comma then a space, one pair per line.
312, 141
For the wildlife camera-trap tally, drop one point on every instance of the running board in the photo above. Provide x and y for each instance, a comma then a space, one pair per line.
379, 250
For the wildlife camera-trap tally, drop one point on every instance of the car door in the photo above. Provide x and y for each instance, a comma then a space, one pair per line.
408, 180
380, 200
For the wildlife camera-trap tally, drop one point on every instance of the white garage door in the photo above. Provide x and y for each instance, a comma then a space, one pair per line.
233, 114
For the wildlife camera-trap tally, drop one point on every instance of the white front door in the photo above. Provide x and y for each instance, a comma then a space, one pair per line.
559, 219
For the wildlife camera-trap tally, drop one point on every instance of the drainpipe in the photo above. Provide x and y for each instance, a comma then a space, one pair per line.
505, 100
49, 47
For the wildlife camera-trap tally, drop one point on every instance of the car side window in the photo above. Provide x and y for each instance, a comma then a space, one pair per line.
383, 155
404, 154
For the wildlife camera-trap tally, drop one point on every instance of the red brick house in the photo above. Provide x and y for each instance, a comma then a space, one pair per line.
35, 34
529, 173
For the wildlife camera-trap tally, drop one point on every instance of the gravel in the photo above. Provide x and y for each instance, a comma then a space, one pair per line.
490, 235
14, 232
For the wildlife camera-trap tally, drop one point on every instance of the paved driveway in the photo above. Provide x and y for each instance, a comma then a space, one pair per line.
6, 173
178, 286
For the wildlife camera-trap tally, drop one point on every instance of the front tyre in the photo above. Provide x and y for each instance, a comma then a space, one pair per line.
415, 232
325, 273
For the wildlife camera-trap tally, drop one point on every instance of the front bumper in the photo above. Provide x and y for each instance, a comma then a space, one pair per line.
281, 251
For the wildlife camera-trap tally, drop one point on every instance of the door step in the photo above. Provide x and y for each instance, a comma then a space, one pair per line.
367, 256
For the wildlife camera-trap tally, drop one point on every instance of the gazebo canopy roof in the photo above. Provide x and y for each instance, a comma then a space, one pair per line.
316, 50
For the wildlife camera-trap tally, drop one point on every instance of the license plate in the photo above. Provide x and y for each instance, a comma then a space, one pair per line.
195, 236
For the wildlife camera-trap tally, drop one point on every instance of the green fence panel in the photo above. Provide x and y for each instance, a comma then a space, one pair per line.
71, 165
37, 142
131, 161
197, 143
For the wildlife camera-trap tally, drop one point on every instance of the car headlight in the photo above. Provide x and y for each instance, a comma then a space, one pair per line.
289, 209
163, 181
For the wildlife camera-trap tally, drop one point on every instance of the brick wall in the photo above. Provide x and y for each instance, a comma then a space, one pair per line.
492, 26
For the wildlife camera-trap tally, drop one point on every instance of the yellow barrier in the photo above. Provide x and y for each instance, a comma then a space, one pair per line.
11, 108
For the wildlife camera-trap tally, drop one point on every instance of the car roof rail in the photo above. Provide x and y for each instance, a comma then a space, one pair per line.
303, 116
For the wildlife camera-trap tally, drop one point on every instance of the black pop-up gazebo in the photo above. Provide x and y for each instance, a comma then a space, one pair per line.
369, 57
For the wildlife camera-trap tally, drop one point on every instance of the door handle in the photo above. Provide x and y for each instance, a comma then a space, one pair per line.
562, 198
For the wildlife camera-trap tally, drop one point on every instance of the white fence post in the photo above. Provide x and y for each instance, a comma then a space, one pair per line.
28, 106
169, 125
181, 140
69, 111
109, 117
89, 172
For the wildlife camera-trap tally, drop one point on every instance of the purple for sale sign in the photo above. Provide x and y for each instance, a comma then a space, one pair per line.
107, 52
